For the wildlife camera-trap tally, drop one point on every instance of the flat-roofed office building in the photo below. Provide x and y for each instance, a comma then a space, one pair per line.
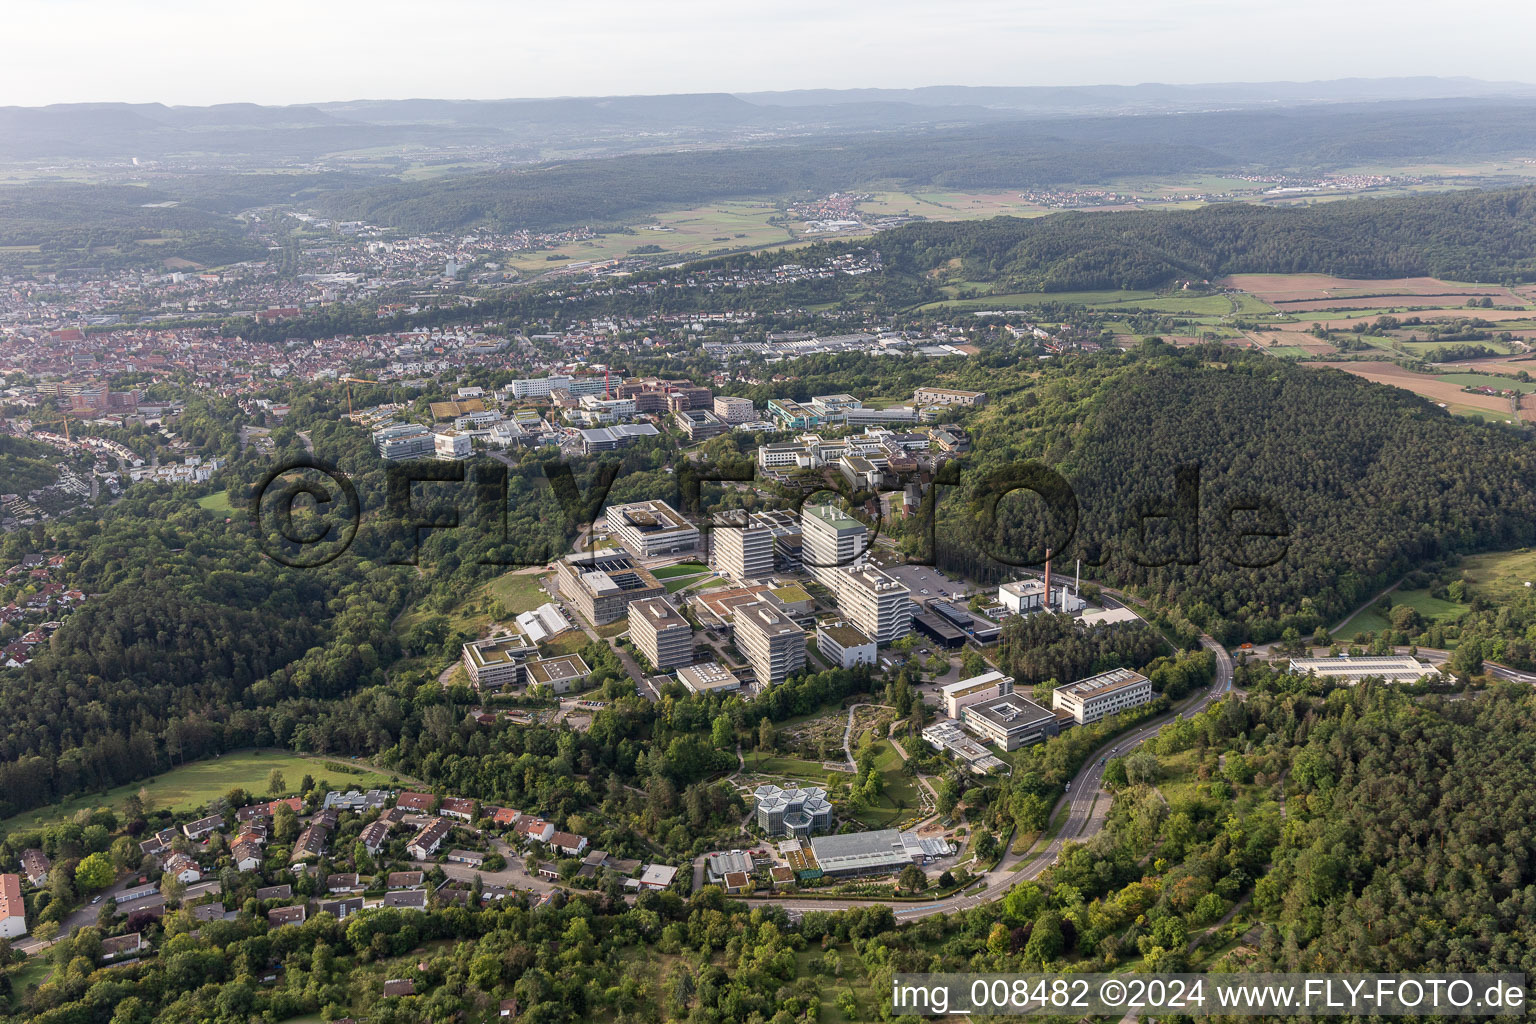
651, 528
601, 584
1011, 721
844, 644
977, 688
876, 603
708, 677
741, 546
498, 663
830, 540
661, 633
1107, 693
773, 644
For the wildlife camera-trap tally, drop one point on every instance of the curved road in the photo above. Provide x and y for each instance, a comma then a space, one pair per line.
1087, 805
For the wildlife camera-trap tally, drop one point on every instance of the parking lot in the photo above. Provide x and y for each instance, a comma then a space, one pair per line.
926, 583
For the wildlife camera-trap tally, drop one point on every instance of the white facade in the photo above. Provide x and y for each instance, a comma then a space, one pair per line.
877, 604
650, 528
977, 688
830, 541
1107, 693
452, 445
845, 645
743, 551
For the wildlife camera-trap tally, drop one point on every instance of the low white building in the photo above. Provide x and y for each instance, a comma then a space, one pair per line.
1391, 668
1107, 693
844, 644
977, 688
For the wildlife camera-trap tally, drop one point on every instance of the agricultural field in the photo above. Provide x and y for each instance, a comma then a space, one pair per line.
1500, 576
1112, 301
1431, 609
713, 228
1321, 291
1488, 380
1443, 393
192, 785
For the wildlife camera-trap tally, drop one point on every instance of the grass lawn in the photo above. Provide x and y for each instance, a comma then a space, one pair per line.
677, 583
519, 593
192, 785
34, 972
790, 767
900, 796
1500, 575
666, 572
218, 501
1432, 609
569, 642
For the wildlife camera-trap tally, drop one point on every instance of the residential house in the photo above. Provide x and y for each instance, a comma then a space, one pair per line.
13, 909
413, 801
182, 868
425, 843
280, 916
120, 947
374, 836
203, 827
246, 856
568, 844
35, 865
408, 899
310, 844
341, 909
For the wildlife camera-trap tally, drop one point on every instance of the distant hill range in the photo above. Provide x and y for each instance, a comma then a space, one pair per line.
535, 129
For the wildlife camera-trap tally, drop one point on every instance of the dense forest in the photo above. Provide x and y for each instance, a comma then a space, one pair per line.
1314, 489
1088, 150
1362, 828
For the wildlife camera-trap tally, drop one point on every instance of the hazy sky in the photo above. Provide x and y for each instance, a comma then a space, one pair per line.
284, 51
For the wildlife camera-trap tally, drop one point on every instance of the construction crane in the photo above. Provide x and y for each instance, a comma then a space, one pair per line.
63, 418
349, 381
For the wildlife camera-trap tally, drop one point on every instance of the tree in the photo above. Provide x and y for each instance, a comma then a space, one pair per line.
276, 784
1467, 660
912, 878
95, 872
285, 824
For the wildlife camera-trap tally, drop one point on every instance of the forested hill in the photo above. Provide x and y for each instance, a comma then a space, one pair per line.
1041, 152
1464, 236
1371, 482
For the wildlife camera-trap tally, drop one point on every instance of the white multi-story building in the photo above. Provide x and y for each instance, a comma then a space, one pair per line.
734, 410
650, 528
403, 441
1107, 693
773, 644
499, 662
741, 546
452, 445
597, 409
709, 677
830, 541
540, 387
1022, 597
660, 633
876, 603
977, 688
844, 644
